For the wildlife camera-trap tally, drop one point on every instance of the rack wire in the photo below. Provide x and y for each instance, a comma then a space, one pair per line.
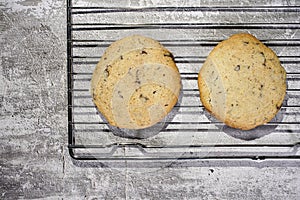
190, 32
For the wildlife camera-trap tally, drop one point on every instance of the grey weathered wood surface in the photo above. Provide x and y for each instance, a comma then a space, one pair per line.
34, 160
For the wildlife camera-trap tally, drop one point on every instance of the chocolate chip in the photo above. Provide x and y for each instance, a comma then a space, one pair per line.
278, 107
262, 53
120, 95
137, 77
169, 55
237, 68
144, 97
106, 71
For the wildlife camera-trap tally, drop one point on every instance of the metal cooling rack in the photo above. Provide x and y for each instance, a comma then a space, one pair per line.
190, 31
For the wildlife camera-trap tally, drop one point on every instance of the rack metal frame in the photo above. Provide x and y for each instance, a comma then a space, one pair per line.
138, 150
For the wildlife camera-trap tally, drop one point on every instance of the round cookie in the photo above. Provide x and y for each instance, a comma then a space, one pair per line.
138, 88
242, 82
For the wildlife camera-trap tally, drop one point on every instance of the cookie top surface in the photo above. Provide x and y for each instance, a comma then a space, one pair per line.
120, 47
242, 82
138, 88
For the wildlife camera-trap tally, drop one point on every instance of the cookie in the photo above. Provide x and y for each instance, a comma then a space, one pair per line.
242, 82
139, 87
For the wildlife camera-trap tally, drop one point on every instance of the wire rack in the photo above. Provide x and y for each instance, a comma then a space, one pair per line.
189, 31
